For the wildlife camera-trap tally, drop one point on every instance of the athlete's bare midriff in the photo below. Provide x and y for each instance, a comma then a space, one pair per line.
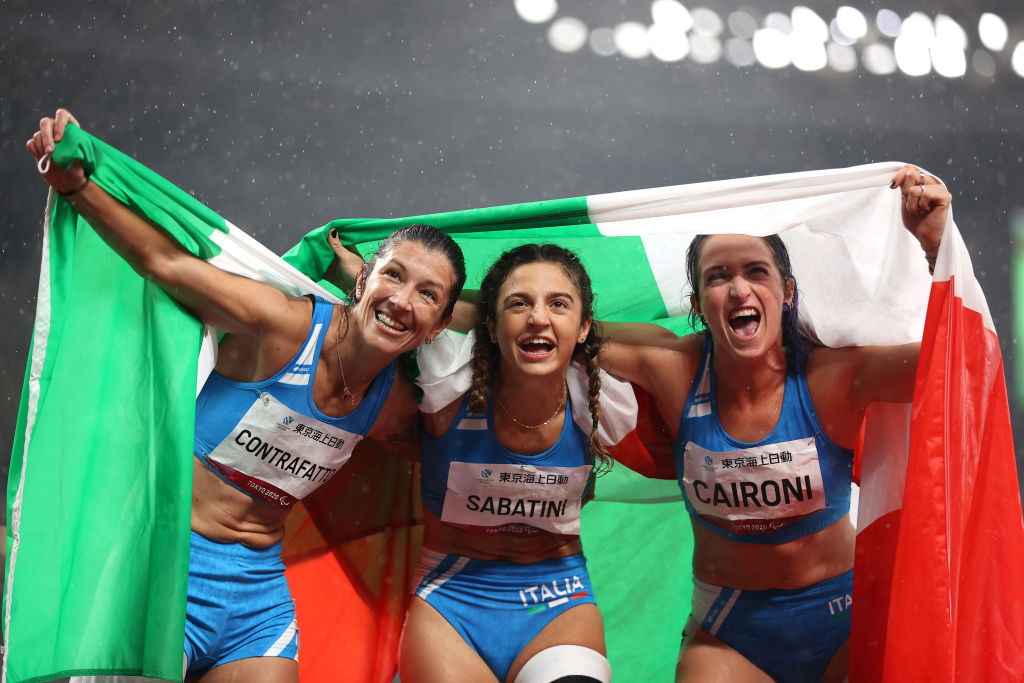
533, 548
222, 513
751, 566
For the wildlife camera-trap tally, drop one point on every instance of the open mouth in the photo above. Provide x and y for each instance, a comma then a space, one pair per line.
389, 323
745, 322
536, 348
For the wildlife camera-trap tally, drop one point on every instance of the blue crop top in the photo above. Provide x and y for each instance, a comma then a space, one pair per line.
792, 483
472, 482
268, 439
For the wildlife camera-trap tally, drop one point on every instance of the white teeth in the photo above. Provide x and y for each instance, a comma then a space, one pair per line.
537, 345
390, 322
742, 312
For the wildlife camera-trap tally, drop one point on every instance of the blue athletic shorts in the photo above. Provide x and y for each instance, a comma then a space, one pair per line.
238, 605
791, 635
498, 607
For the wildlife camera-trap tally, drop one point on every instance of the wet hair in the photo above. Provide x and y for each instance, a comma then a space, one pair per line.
793, 340
486, 352
434, 240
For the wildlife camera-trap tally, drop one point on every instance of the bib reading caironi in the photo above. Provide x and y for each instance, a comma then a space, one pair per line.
790, 484
472, 482
268, 439
754, 490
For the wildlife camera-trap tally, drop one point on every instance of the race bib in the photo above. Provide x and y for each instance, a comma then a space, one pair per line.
754, 490
278, 455
514, 500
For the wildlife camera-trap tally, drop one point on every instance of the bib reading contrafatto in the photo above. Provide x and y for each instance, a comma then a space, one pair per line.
268, 439
472, 482
790, 484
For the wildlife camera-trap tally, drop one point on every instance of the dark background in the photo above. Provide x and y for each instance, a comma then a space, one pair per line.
283, 116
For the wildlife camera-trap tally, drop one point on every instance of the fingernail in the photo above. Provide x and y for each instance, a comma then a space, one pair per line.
892, 183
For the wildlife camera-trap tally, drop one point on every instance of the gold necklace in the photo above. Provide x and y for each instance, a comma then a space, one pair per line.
346, 393
558, 409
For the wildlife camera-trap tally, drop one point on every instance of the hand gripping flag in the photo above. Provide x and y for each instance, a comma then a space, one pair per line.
98, 492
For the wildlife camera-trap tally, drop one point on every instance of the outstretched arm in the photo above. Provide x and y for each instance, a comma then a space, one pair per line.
231, 303
648, 355
654, 359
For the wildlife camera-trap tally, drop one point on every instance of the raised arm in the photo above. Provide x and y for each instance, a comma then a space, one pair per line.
844, 382
925, 209
229, 302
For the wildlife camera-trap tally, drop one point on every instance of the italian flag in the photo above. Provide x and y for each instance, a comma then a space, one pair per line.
98, 496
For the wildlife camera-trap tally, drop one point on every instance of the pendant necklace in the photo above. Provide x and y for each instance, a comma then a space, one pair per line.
346, 393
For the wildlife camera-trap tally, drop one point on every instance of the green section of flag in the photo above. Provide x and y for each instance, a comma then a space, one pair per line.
1017, 234
624, 284
148, 194
98, 506
639, 561
103, 529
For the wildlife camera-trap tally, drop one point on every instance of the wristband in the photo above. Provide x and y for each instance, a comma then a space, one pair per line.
931, 255
76, 190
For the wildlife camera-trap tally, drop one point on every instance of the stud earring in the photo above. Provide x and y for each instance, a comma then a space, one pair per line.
785, 307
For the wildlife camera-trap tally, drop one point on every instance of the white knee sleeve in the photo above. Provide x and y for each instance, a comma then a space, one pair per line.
565, 660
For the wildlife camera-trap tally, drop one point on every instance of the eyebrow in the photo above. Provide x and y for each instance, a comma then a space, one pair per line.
748, 264
550, 295
395, 262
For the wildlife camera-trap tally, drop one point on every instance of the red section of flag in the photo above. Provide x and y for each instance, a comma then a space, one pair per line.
646, 450
349, 552
937, 588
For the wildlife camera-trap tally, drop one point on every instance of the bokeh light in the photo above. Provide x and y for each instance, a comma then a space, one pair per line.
602, 41
670, 14
841, 58
771, 48
536, 11
918, 44
851, 22
993, 31
706, 22
888, 23
567, 34
878, 58
667, 44
631, 40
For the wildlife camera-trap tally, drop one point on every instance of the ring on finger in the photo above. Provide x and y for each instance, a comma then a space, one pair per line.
920, 175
